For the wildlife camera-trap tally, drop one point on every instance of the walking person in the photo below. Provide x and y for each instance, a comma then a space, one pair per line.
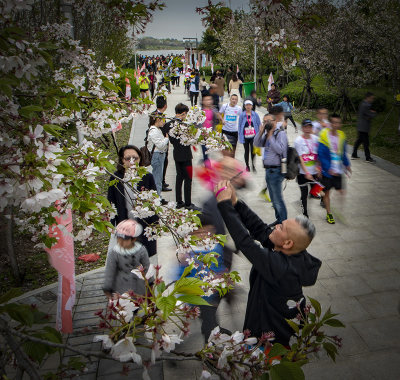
231, 112
127, 254
212, 116
183, 162
158, 144
234, 86
275, 143
253, 97
220, 82
273, 96
249, 125
122, 196
194, 88
365, 115
144, 85
306, 146
287, 110
334, 161
321, 122
152, 85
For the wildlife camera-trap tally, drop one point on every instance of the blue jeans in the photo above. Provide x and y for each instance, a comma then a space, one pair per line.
157, 163
274, 180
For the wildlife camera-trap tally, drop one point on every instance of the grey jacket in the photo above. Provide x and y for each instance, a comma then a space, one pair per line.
118, 276
365, 116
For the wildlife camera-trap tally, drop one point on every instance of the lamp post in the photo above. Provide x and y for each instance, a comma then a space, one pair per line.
256, 30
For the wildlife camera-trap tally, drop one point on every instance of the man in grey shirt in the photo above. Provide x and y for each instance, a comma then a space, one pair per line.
275, 143
365, 115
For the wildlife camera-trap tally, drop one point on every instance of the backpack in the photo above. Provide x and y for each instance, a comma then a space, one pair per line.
292, 163
146, 154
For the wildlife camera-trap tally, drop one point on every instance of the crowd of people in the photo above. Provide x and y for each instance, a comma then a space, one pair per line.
281, 265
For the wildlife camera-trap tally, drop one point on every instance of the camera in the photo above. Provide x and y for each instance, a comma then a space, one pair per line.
268, 126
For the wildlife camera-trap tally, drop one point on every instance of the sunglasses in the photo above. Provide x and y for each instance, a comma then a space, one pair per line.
124, 237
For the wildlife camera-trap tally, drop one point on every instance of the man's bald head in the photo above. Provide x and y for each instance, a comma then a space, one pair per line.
293, 235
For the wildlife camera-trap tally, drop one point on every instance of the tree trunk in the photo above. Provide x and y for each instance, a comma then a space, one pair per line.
10, 247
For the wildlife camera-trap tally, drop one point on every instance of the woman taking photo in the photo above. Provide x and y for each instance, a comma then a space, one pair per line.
249, 124
122, 196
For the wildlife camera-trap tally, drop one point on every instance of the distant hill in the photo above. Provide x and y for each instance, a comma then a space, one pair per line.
150, 43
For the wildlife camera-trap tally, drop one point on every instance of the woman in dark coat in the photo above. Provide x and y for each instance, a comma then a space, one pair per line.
118, 193
273, 96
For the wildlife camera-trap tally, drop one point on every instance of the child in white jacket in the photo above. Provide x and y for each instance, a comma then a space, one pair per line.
157, 140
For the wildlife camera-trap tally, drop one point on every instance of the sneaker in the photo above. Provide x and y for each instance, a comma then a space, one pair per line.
180, 204
165, 184
370, 160
164, 202
193, 207
329, 219
247, 168
354, 157
264, 195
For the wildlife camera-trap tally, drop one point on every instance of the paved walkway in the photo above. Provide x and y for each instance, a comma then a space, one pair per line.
359, 278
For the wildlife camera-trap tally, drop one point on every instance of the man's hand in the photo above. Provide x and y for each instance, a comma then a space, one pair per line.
223, 191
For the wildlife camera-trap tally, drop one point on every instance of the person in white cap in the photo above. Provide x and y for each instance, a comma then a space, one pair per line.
249, 125
127, 254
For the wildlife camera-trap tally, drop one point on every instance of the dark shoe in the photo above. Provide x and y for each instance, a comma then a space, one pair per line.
370, 160
180, 204
254, 169
247, 168
192, 207
353, 157
165, 184
166, 188
164, 202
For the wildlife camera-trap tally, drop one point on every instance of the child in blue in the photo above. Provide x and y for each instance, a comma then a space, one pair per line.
287, 109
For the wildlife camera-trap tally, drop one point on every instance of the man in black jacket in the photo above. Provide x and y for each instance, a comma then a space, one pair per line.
183, 161
281, 267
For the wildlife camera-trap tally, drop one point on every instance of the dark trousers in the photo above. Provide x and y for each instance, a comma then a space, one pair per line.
165, 168
248, 150
177, 80
183, 176
193, 98
304, 185
290, 117
363, 138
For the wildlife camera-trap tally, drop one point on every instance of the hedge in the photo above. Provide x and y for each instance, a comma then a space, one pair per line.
327, 98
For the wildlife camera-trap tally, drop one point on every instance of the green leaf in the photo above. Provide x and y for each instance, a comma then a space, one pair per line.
12, 293
330, 349
52, 129
166, 305
334, 323
99, 226
316, 305
286, 371
187, 270
189, 285
307, 329
194, 300
293, 325
36, 351
278, 350
20, 313
29, 111
110, 86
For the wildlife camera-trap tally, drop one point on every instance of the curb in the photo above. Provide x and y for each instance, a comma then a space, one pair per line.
49, 287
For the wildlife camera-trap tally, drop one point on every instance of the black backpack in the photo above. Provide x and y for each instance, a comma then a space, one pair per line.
292, 163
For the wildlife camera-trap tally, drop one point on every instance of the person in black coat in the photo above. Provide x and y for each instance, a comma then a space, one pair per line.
117, 193
281, 267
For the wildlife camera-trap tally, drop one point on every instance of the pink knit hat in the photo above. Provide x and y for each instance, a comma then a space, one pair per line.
128, 229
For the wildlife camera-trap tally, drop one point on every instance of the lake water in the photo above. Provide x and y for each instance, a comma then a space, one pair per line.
150, 53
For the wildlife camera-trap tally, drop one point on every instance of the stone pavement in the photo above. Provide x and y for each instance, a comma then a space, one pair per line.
359, 277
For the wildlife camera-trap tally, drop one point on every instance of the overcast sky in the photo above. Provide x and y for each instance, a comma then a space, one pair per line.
179, 18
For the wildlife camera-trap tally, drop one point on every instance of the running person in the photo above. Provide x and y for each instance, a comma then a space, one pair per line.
306, 146
144, 85
334, 161
231, 112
